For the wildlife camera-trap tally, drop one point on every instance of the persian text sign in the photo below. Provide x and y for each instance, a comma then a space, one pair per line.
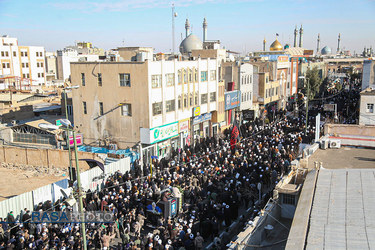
183, 126
232, 99
163, 132
79, 140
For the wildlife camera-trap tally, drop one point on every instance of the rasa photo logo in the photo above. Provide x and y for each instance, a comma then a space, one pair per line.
71, 217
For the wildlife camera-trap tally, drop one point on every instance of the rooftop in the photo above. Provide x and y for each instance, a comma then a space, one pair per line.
335, 207
342, 215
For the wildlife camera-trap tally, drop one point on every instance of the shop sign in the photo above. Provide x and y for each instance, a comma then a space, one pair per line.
232, 99
248, 115
161, 133
79, 140
183, 126
196, 111
202, 118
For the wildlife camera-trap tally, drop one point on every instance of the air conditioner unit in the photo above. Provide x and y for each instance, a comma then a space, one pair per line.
324, 144
335, 144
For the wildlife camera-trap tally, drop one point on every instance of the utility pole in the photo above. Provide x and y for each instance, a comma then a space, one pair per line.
67, 139
83, 227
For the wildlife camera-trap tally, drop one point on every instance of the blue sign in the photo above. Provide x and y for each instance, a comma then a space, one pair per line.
232, 99
202, 118
173, 207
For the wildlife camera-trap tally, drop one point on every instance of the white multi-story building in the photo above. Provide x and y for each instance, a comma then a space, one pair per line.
68, 55
367, 107
246, 86
26, 63
162, 104
368, 74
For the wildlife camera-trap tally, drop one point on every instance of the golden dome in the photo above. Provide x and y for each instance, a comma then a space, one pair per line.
276, 45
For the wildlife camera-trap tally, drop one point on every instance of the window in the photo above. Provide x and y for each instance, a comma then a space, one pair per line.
6, 53
190, 78
83, 79
125, 80
37, 64
185, 100
2, 53
25, 53
42, 74
33, 138
288, 86
203, 76
22, 53
157, 108
41, 64
289, 199
277, 90
191, 100
213, 75
195, 75
184, 75
213, 97
179, 77
38, 75
267, 79
27, 75
14, 53
23, 65
100, 79
204, 98
70, 109
37, 54
84, 108
101, 109
370, 108
156, 81
170, 79
196, 98
126, 109
179, 102
170, 106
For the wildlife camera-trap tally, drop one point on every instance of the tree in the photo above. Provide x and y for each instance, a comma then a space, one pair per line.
313, 80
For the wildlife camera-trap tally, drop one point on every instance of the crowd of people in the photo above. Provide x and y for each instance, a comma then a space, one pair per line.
213, 179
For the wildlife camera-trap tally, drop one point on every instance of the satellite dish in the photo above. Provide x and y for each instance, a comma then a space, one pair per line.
64, 194
47, 126
65, 122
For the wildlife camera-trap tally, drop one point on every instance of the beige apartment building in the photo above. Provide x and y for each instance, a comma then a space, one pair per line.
161, 104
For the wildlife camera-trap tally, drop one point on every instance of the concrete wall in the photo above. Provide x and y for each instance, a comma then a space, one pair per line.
343, 129
44, 157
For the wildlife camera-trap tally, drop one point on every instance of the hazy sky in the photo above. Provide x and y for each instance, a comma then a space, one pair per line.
241, 25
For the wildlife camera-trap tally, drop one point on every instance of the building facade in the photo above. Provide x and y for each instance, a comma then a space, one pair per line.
368, 75
160, 104
367, 107
24, 63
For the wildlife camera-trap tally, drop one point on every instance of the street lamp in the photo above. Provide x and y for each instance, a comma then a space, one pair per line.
67, 134
66, 126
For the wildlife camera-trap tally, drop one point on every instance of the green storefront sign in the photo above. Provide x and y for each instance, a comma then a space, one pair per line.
163, 132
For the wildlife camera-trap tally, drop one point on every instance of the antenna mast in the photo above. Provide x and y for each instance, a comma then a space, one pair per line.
174, 14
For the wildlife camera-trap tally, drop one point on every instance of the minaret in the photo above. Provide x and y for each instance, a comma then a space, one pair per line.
295, 36
300, 37
187, 27
318, 45
264, 44
338, 43
204, 30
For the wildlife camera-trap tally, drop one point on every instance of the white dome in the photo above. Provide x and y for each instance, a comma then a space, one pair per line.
192, 42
